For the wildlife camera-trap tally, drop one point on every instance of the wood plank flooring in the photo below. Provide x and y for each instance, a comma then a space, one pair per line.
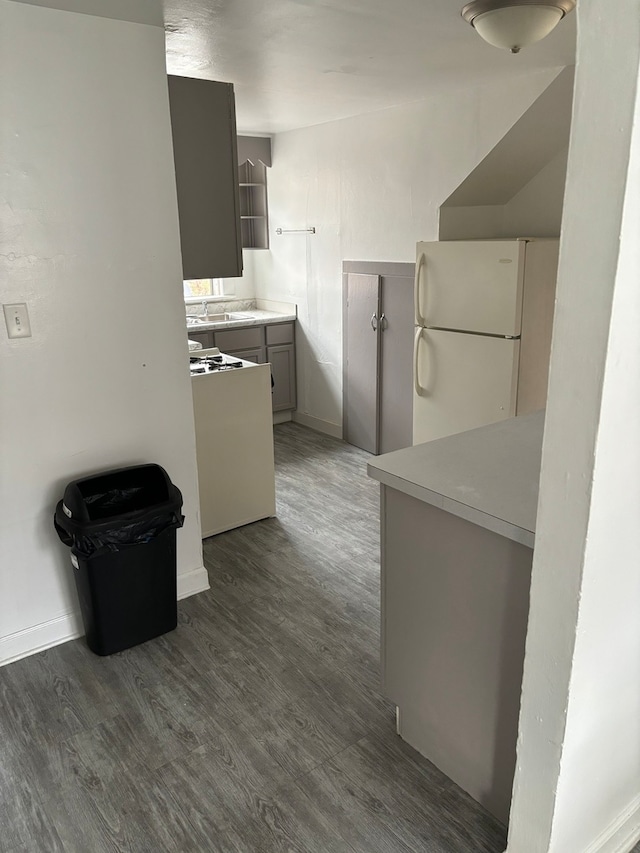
258, 726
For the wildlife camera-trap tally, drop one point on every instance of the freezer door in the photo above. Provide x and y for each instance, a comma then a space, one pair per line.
473, 285
461, 382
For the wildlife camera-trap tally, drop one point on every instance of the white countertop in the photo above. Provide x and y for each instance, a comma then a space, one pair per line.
255, 317
488, 476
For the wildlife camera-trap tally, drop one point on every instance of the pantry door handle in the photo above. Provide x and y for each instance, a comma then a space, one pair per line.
374, 322
383, 322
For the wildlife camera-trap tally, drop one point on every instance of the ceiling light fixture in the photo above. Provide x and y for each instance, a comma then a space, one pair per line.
512, 24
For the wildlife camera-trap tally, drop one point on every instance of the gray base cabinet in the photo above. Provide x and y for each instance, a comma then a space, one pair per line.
274, 343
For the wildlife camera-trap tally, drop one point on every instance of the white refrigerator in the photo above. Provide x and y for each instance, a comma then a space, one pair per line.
468, 324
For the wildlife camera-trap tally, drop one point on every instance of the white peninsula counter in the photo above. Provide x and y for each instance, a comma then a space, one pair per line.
457, 533
234, 441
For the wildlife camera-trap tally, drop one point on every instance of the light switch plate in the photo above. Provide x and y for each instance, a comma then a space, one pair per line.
16, 316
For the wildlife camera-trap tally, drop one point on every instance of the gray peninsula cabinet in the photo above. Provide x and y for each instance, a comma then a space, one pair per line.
203, 125
457, 533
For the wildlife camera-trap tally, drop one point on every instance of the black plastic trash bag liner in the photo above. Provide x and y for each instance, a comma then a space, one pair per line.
90, 540
117, 509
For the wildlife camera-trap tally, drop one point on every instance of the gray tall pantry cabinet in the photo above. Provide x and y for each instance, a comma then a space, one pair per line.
203, 125
378, 354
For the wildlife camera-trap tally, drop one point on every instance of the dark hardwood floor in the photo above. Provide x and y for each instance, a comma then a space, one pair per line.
258, 725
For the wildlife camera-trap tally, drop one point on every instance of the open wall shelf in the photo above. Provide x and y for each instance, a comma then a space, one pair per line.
253, 205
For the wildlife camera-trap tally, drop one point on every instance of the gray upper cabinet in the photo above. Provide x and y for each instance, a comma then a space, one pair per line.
203, 126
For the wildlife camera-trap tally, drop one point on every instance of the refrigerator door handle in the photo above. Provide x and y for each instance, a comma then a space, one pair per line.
374, 322
420, 391
421, 262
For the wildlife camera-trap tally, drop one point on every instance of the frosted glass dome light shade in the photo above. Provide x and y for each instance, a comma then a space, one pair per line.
515, 24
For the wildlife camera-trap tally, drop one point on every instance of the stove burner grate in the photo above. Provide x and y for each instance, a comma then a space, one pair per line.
212, 363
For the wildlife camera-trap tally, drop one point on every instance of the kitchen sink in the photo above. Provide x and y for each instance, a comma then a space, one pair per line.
212, 318
218, 318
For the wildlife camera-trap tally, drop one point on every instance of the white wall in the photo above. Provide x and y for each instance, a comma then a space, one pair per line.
242, 287
535, 211
577, 785
90, 241
371, 186
471, 222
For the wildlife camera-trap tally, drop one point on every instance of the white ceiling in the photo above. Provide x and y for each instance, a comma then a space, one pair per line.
296, 63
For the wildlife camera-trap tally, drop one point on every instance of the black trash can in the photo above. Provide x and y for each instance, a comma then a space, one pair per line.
121, 527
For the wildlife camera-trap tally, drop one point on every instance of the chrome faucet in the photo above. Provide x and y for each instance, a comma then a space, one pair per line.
205, 307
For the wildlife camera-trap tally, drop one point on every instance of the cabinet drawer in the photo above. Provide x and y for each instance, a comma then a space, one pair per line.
256, 355
204, 338
234, 339
280, 334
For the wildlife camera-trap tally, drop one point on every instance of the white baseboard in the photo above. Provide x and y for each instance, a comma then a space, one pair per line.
281, 417
238, 522
334, 430
40, 637
37, 638
621, 835
192, 582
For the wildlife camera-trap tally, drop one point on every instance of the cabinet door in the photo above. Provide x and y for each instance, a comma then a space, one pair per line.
361, 359
283, 371
257, 355
396, 364
248, 337
204, 338
203, 126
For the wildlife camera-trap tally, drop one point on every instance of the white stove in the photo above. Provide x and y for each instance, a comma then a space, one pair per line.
214, 361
